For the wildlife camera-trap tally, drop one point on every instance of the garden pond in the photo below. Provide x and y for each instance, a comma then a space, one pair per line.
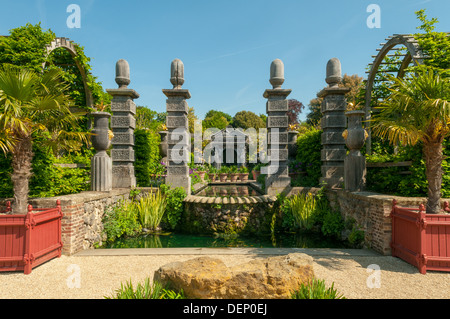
179, 240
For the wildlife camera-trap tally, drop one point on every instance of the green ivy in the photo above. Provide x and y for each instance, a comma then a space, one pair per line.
435, 45
48, 179
174, 208
332, 224
26, 46
389, 180
120, 220
148, 159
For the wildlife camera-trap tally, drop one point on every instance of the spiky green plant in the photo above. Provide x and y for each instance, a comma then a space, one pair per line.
316, 289
150, 210
303, 207
146, 290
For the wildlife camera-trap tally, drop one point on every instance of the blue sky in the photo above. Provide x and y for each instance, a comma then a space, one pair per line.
226, 46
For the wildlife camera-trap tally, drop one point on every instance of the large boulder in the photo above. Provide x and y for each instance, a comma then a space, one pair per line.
210, 278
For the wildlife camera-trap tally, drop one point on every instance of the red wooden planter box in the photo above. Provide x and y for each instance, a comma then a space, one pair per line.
27, 241
421, 239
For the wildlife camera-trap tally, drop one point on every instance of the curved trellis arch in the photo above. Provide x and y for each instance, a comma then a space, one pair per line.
65, 43
413, 54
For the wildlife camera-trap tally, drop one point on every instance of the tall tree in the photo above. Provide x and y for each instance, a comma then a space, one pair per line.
32, 103
418, 110
215, 121
295, 108
212, 113
248, 119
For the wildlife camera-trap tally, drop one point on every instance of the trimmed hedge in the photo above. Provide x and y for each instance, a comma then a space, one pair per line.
49, 180
148, 159
309, 146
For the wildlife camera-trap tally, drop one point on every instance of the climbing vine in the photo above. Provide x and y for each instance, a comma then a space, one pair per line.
26, 46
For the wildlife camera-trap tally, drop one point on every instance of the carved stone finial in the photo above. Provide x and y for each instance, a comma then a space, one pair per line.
277, 74
122, 74
334, 76
177, 73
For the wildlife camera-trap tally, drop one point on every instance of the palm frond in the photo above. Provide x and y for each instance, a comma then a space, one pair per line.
413, 109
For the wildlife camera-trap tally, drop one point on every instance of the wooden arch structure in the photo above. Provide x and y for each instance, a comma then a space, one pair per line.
395, 42
70, 47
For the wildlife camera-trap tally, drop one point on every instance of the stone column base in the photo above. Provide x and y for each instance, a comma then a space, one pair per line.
355, 173
183, 181
101, 173
123, 176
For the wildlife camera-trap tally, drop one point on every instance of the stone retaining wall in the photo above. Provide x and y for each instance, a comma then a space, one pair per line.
244, 215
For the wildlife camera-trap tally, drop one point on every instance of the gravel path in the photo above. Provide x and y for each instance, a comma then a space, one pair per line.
101, 275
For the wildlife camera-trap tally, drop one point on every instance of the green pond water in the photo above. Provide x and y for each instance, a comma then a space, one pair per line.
174, 240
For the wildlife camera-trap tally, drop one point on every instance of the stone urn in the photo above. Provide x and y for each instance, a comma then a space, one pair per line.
101, 164
163, 146
101, 138
355, 135
355, 163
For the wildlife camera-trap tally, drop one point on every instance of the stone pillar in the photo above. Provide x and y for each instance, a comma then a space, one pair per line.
101, 165
333, 125
123, 124
355, 162
179, 141
277, 179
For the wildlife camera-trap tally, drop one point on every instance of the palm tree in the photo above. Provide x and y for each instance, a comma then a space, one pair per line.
418, 110
33, 104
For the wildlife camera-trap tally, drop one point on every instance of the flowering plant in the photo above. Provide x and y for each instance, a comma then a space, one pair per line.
296, 167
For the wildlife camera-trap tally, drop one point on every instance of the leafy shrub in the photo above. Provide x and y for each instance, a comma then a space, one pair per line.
6, 186
175, 206
121, 220
145, 291
332, 224
309, 146
49, 180
261, 180
390, 180
316, 289
356, 238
